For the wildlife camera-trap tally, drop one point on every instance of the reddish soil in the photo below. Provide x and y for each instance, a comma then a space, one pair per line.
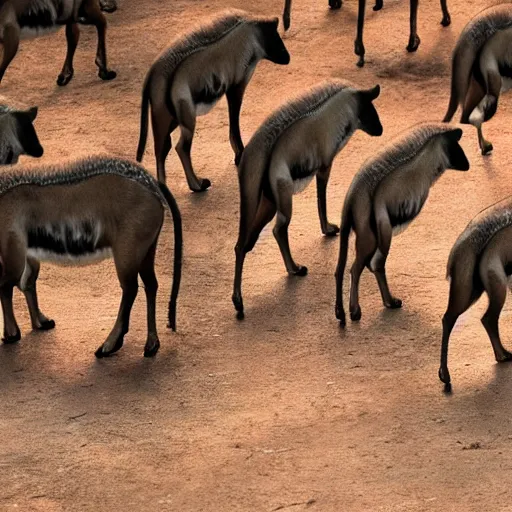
283, 411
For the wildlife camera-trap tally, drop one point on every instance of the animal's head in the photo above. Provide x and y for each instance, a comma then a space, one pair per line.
369, 120
17, 133
457, 159
273, 46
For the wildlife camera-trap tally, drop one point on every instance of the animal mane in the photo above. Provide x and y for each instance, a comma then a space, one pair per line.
74, 172
400, 151
205, 34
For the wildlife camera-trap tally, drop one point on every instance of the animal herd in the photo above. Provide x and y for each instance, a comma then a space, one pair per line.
99, 207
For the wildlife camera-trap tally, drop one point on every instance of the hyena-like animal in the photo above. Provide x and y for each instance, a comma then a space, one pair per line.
295, 144
481, 260
385, 196
80, 213
189, 78
482, 68
17, 133
29, 18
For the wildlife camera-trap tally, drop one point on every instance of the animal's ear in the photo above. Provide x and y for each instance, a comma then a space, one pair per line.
454, 135
32, 113
456, 156
275, 22
373, 93
27, 135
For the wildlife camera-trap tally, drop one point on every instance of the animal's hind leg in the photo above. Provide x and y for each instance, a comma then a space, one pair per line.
378, 267
266, 212
235, 96
495, 284
414, 39
187, 122
322, 178
12, 332
359, 45
379, 4
72, 37
366, 245
94, 16
11, 42
286, 14
284, 193
335, 4
28, 285
446, 15
147, 274
163, 125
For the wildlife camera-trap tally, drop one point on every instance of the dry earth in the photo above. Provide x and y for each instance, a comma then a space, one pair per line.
283, 411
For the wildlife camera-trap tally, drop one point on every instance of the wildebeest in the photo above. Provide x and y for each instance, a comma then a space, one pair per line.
189, 78
385, 196
17, 133
295, 144
480, 260
29, 18
79, 213
482, 68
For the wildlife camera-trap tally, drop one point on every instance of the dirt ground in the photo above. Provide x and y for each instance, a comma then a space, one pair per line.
283, 411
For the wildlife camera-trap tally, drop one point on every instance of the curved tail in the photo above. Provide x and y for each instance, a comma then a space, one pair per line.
144, 114
178, 252
346, 228
454, 100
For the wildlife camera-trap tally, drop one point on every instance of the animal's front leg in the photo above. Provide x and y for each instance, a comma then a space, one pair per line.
322, 178
359, 46
446, 15
12, 332
414, 39
235, 96
72, 37
147, 274
11, 42
379, 4
28, 286
94, 16
286, 14
284, 194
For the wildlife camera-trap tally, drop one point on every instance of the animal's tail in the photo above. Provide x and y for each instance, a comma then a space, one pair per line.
178, 252
144, 114
346, 228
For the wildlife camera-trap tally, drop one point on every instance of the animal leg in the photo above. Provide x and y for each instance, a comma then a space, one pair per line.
359, 45
446, 15
108, 6
12, 332
495, 284
378, 267
28, 286
72, 37
11, 42
414, 40
187, 122
322, 178
147, 274
284, 194
286, 14
235, 96
266, 212
366, 244
379, 4
335, 4
163, 125
94, 16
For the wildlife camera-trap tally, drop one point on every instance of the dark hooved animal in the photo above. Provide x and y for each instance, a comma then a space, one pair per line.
80, 213
481, 260
187, 80
17, 133
294, 145
414, 40
385, 196
30, 18
482, 68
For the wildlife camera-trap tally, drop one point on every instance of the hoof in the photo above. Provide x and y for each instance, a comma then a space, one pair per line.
488, 147
446, 21
394, 304
239, 306
11, 339
332, 230
107, 74
47, 325
205, 184
414, 43
100, 354
64, 79
378, 5
355, 316
151, 348
109, 9
335, 4
340, 315
240, 315
506, 356
301, 271
444, 376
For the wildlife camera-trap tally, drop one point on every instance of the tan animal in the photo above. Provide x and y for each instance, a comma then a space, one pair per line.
30, 18
80, 213
482, 68
481, 260
189, 78
385, 196
295, 144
